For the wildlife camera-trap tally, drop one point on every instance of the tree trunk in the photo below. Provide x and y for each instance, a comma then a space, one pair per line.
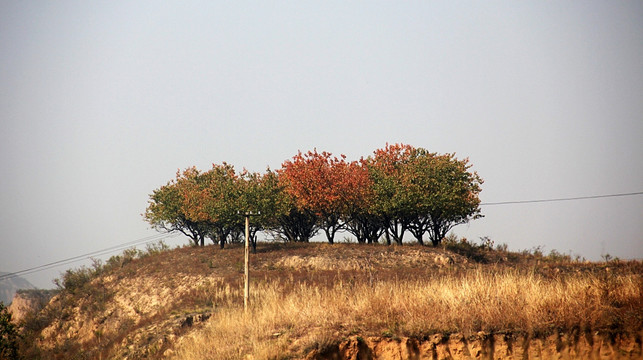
330, 235
396, 229
436, 237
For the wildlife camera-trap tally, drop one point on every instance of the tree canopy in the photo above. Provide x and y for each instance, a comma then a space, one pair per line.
399, 189
326, 187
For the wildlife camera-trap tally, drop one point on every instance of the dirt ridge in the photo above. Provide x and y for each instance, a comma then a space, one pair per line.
594, 345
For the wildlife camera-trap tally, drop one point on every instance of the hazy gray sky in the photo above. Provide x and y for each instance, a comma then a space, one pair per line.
102, 101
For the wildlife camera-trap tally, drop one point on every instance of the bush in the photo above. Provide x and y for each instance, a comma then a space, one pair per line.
8, 335
74, 280
155, 248
472, 251
556, 256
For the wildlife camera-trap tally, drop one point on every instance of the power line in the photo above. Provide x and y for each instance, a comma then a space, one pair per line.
122, 246
79, 257
141, 241
561, 199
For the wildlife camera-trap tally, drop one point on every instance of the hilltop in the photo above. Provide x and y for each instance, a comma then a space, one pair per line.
339, 301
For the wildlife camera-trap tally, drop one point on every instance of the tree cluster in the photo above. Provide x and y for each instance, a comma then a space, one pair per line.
397, 190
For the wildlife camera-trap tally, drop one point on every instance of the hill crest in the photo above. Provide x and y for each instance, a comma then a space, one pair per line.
148, 304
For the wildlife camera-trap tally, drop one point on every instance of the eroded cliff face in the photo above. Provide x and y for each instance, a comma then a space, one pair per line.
29, 302
133, 320
594, 345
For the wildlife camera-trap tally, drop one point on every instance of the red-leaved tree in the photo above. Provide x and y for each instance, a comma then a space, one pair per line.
325, 186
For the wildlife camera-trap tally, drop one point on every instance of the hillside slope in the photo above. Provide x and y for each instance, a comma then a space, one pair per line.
309, 298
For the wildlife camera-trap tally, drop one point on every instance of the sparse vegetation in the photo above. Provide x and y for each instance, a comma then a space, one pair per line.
85, 288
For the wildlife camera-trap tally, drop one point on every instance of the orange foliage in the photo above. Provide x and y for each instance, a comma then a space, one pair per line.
327, 186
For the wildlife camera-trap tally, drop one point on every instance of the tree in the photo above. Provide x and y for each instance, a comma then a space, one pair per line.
328, 188
361, 217
166, 210
212, 198
422, 192
260, 194
392, 201
198, 204
296, 223
8, 335
315, 181
446, 193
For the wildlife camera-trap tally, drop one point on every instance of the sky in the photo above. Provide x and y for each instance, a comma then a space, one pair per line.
101, 102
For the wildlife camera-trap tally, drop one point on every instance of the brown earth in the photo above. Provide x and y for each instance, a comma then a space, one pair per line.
595, 345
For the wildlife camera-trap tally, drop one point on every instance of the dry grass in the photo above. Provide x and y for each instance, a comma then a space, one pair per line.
290, 319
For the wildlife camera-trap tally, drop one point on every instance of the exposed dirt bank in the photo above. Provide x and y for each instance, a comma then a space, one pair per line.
29, 301
483, 346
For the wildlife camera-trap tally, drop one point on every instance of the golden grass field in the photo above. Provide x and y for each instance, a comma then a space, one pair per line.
295, 318
308, 298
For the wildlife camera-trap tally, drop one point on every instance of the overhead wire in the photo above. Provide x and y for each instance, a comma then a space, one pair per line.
561, 199
133, 243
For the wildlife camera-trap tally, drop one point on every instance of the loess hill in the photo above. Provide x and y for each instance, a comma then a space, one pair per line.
322, 301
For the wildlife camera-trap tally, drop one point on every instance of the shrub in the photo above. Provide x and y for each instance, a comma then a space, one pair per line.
155, 248
486, 243
556, 256
477, 253
74, 280
8, 335
502, 247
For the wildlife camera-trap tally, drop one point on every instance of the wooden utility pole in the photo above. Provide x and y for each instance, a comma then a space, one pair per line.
246, 270
246, 274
